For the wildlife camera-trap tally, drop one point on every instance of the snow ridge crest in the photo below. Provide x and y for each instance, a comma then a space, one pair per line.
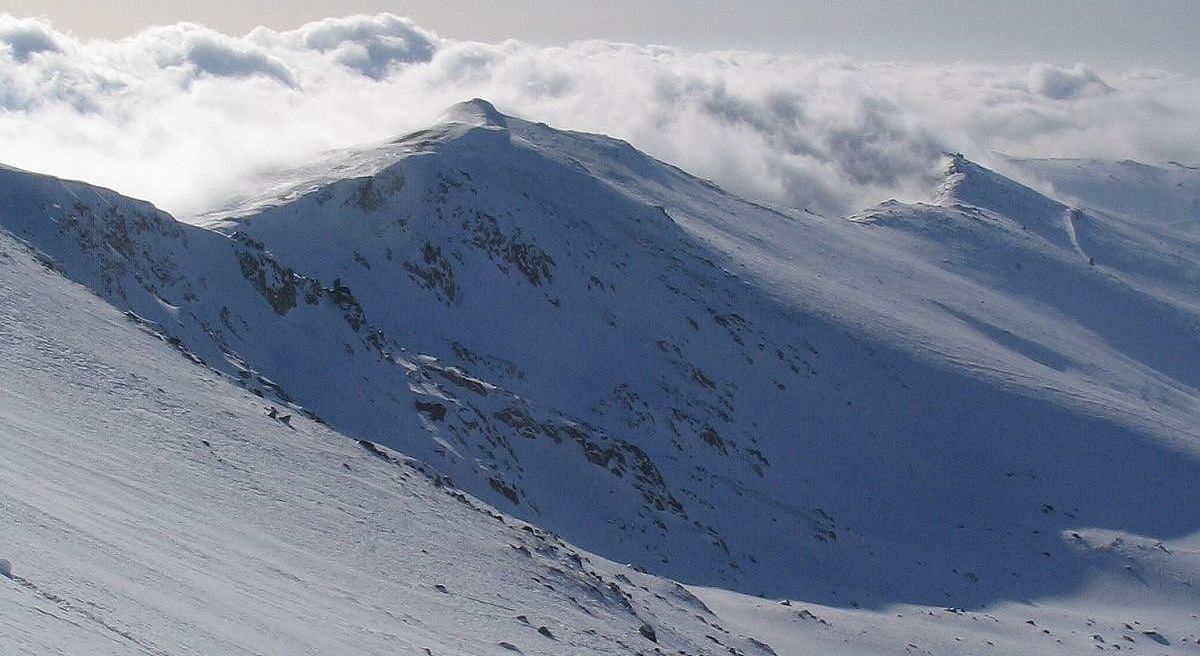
475, 111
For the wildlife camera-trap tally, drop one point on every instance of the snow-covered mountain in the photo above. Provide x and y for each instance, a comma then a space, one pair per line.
1156, 198
150, 506
983, 400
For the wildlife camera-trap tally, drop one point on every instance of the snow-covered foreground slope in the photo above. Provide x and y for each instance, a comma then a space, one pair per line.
979, 402
150, 506
1117, 617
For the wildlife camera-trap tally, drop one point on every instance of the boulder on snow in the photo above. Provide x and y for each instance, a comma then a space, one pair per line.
5, 569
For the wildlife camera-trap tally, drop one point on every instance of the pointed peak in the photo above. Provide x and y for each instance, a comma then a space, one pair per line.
475, 111
958, 172
957, 163
966, 182
963, 178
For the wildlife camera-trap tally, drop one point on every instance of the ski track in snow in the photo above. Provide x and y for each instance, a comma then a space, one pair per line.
1069, 222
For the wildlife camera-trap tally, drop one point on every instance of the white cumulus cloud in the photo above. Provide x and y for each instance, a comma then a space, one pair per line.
184, 116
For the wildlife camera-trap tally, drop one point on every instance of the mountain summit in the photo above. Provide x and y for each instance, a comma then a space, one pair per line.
475, 112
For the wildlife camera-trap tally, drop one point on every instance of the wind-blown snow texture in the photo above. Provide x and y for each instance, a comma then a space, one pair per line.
973, 403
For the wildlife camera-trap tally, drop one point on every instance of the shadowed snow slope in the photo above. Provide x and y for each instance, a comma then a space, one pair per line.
149, 506
919, 403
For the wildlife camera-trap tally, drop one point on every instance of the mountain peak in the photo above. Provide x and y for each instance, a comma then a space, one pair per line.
972, 184
475, 111
961, 178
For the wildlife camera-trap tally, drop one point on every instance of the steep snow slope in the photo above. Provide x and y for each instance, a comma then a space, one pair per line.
923, 403
150, 506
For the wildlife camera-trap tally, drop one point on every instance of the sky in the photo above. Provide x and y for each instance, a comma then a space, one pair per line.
1104, 34
825, 106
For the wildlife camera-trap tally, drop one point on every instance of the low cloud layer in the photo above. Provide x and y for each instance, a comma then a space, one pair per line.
184, 116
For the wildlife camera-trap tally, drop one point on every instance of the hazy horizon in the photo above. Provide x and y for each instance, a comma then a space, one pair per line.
830, 133
1103, 34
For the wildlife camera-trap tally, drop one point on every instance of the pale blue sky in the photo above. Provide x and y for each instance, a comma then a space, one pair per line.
1105, 34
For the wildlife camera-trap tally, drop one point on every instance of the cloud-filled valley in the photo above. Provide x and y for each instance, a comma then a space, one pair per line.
184, 116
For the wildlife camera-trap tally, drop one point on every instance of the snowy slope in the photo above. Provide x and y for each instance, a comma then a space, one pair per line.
750, 351
1139, 219
150, 506
1166, 197
919, 404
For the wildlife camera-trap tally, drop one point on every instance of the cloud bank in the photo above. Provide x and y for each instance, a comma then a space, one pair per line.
184, 116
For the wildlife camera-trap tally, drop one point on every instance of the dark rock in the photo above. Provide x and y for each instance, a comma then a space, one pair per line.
435, 411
